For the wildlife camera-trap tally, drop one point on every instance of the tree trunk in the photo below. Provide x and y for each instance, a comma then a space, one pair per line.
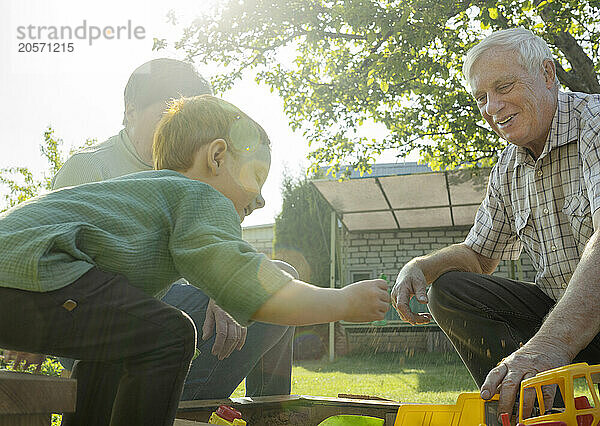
582, 76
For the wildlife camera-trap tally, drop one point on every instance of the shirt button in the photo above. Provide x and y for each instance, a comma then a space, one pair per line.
546, 211
564, 285
553, 248
540, 173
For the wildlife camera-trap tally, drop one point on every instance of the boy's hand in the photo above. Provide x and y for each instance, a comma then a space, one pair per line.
366, 301
29, 358
229, 334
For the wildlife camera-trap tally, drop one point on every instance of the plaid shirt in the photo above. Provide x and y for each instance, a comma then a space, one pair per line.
545, 205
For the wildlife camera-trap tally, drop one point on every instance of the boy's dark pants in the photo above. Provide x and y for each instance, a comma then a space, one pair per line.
120, 334
488, 317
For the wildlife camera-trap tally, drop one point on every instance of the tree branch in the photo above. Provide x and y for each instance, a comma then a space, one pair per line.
344, 36
582, 77
366, 61
419, 136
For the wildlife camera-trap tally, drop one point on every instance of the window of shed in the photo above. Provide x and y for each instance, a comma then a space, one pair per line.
360, 276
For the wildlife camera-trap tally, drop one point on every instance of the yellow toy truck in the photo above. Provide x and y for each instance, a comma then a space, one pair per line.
576, 383
578, 386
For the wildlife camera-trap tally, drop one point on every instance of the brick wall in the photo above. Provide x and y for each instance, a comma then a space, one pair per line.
373, 253
368, 254
387, 252
261, 237
408, 340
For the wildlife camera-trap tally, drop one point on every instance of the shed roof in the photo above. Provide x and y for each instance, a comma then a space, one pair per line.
398, 200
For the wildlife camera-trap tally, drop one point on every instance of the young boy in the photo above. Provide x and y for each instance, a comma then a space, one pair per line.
80, 266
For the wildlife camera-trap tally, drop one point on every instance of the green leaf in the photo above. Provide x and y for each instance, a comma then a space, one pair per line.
333, 63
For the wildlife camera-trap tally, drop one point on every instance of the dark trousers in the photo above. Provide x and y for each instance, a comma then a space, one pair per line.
119, 333
488, 317
265, 359
272, 374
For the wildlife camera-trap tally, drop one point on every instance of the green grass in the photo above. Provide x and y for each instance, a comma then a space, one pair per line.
428, 378
431, 378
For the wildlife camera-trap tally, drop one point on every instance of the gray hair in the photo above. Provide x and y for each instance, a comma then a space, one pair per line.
531, 50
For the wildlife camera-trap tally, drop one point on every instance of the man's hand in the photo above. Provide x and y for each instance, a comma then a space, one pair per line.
522, 364
410, 282
28, 358
229, 334
366, 300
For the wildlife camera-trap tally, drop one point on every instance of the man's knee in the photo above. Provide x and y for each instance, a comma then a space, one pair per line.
271, 334
187, 297
443, 291
275, 332
443, 285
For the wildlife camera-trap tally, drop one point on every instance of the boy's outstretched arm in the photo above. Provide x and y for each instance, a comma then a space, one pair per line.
298, 303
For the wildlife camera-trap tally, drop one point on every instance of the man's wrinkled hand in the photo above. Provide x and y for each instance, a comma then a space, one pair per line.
410, 282
229, 334
522, 364
25, 358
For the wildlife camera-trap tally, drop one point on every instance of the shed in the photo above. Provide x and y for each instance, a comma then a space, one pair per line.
391, 215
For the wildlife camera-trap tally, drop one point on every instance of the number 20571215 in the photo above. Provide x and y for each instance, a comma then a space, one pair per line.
40, 47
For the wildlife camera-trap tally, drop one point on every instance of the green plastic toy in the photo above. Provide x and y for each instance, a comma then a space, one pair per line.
351, 420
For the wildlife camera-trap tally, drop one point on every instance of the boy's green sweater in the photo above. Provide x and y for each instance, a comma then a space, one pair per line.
152, 227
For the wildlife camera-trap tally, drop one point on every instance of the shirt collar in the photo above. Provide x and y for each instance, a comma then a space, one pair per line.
563, 130
124, 137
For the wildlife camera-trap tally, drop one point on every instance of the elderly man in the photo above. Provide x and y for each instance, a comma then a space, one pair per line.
228, 352
543, 195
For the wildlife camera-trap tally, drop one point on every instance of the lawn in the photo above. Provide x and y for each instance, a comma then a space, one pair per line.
432, 378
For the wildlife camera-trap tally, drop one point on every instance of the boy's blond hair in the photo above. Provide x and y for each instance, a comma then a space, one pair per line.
190, 123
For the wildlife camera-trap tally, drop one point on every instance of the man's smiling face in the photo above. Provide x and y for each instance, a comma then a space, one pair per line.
517, 105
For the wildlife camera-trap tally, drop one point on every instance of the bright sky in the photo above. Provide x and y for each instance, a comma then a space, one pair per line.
80, 94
